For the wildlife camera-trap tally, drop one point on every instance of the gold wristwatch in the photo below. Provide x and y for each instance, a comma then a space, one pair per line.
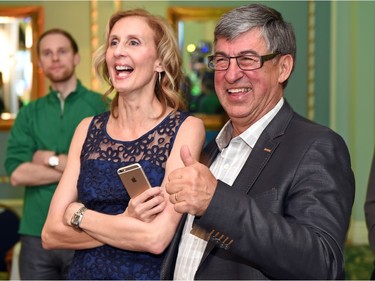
77, 217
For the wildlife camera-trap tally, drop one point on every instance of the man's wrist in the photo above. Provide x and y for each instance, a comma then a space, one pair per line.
53, 161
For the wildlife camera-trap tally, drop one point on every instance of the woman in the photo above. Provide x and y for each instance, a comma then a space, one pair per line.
116, 238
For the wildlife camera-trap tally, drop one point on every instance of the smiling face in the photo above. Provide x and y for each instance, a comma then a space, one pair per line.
246, 96
131, 56
57, 58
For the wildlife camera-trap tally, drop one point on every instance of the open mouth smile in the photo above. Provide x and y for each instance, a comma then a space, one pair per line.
238, 90
122, 70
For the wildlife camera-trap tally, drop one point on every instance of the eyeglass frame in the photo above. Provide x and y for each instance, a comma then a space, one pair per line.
263, 59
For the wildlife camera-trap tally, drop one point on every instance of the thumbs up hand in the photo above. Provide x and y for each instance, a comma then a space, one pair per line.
191, 188
186, 156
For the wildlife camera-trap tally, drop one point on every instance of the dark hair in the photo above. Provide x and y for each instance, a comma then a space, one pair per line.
62, 32
208, 80
278, 34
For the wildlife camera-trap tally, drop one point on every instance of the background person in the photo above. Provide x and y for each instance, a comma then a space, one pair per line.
141, 61
208, 101
38, 146
370, 208
276, 200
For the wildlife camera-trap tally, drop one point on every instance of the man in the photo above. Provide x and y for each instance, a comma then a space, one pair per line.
38, 146
370, 209
208, 102
276, 200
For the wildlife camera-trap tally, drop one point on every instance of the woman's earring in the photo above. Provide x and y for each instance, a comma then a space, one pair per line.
159, 77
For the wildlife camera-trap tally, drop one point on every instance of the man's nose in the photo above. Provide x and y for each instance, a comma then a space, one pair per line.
55, 56
234, 72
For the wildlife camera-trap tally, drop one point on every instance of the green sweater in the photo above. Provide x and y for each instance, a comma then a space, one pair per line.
45, 124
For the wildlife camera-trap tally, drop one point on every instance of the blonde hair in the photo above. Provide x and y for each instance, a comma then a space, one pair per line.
167, 89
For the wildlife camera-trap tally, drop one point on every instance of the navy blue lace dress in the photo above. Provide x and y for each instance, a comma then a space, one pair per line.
100, 189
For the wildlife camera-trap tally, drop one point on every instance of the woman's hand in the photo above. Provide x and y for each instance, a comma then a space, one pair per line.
147, 205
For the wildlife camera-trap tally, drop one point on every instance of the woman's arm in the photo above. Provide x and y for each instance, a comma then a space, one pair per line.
56, 233
125, 232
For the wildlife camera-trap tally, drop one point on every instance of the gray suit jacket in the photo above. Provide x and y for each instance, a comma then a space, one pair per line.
286, 215
370, 205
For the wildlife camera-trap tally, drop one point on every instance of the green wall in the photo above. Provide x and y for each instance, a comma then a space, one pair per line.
343, 67
353, 87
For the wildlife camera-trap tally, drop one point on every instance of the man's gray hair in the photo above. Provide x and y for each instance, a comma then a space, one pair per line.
278, 34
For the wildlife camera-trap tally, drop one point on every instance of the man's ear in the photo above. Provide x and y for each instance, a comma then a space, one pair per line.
76, 59
285, 67
40, 66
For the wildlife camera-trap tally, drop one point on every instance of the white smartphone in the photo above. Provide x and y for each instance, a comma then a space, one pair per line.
134, 179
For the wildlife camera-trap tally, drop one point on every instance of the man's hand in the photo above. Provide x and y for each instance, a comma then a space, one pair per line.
191, 188
62, 162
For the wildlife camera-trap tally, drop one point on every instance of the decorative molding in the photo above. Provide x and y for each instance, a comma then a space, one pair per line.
94, 29
177, 14
333, 66
117, 5
311, 60
36, 14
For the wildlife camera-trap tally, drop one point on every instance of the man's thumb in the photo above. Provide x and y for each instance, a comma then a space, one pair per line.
186, 156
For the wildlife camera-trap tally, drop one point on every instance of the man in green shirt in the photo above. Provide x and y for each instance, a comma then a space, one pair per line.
38, 146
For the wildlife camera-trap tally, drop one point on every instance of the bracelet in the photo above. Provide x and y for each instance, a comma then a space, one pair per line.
77, 217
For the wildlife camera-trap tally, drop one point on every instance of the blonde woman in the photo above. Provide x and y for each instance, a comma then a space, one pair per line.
115, 237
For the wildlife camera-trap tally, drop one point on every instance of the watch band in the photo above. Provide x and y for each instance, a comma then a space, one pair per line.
77, 217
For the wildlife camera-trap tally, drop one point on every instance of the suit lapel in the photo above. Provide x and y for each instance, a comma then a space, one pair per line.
263, 149
254, 165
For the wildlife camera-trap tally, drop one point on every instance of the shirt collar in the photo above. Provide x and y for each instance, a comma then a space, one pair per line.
251, 135
73, 93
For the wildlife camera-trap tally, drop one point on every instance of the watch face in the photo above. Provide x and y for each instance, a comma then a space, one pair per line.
53, 161
76, 219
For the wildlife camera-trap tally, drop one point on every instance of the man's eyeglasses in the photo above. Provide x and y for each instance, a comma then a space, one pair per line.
244, 62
